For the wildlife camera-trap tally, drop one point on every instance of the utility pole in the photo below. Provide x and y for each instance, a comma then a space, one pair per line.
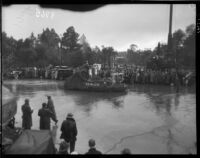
60, 50
61, 53
176, 67
172, 48
170, 30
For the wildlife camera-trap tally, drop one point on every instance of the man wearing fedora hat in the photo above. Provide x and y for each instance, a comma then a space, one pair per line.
69, 131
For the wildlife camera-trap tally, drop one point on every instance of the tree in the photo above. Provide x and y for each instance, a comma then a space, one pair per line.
9, 45
189, 47
49, 38
132, 56
84, 44
76, 58
86, 50
108, 54
183, 49
178, 38
89, 56
26, 57
33, 40
41, 56
97, 55
44, 50
70, 39
133, 47
158, 48
190, 30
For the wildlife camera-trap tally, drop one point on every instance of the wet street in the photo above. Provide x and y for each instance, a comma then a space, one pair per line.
148, 119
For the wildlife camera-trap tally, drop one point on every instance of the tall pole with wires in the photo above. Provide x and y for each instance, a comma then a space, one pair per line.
170, 30
172, 49
60, 50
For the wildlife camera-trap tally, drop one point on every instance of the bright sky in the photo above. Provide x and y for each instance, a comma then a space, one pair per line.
118, 26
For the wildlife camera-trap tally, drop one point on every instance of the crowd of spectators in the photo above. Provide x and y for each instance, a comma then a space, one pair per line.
158, 77
129, 75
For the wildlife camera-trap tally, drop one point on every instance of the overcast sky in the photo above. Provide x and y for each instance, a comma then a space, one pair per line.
113, 25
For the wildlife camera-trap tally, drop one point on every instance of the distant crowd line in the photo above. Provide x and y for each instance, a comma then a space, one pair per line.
158, 77
133, 75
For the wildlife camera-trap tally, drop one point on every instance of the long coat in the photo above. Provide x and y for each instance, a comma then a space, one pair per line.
69, 130
45, 115
51, 107
26, 116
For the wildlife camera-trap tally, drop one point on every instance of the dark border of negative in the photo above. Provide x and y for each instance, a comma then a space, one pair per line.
88, 5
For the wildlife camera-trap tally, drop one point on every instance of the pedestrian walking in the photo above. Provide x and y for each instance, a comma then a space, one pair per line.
92, 149
26, 115
50, 106
45, 115
69, 131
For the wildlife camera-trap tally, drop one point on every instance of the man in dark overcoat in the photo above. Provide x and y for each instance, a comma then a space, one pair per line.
26, 115
69, 131
45, 114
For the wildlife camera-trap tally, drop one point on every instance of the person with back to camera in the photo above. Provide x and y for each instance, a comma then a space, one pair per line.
45, 114
50, 106
26, 115
92, 149
69, 131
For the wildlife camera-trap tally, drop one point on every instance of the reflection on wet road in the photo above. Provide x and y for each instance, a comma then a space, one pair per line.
147, 119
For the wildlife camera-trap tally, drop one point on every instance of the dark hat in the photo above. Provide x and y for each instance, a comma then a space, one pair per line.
48, 96
91, 143
26, 100
69, 115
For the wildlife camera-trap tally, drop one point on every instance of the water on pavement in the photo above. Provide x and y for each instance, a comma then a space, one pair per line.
148, 119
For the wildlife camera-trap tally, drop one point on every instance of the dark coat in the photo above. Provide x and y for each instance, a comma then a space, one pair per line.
26, 116
45, 115
69, 130
51, 107
93, 151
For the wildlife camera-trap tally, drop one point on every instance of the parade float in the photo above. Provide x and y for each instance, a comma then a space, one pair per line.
81, 81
